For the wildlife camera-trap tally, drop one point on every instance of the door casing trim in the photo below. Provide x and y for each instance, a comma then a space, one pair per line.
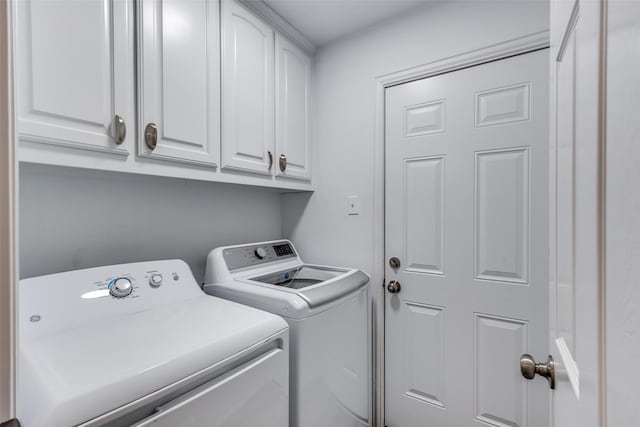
8, 216
494, 52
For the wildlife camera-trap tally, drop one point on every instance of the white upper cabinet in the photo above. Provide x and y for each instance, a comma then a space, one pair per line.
179, 80
247, 90
293, 103
75, 87
192, 81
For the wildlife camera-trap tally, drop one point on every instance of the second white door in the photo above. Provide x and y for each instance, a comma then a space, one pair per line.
467, 216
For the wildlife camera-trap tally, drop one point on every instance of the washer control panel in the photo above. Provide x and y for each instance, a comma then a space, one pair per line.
251, 255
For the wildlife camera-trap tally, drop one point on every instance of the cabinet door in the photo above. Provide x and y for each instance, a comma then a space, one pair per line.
75, 74
247, 90
293, 100
179, 78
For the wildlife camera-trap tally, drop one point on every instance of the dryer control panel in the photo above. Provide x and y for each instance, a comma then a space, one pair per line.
78, 298
251, 255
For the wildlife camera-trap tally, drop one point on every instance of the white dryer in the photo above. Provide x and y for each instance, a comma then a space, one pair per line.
327, 312
141, 344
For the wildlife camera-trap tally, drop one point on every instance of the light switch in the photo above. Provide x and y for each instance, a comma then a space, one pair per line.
353, 205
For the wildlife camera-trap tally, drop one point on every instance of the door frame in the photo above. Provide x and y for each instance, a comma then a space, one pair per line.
8, 216
494, 52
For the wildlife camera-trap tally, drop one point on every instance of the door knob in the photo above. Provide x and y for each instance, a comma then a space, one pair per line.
529, 368
393, 287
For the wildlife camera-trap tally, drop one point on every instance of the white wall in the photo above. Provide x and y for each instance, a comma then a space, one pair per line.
343, 113
622, 217
74, 218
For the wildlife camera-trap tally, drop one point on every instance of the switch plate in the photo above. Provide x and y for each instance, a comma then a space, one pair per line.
353, 205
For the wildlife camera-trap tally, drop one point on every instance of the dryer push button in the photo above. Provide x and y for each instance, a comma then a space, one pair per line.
155, 280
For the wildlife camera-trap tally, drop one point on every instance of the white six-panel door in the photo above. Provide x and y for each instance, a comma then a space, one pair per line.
180, 87
74, 63
247, 90
467, 214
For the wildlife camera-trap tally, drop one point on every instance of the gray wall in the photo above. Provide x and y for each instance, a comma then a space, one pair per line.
74, 218
343, 114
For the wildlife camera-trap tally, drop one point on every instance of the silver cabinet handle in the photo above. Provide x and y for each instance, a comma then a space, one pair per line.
529, 368
270, 160
120, 128
151, 135
283, 162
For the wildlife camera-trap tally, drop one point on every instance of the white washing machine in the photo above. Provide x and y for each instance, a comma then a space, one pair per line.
141, 344
327, 312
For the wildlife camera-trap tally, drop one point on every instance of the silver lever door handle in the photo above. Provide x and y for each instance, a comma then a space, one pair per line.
283, 162
270, 160
529, 368
120, 128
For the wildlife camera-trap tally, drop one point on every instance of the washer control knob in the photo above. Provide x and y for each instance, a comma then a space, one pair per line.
120, 287
155, 280
260, 253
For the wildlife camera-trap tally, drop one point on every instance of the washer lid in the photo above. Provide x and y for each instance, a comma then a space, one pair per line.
88, 364
316, 284
301, 276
